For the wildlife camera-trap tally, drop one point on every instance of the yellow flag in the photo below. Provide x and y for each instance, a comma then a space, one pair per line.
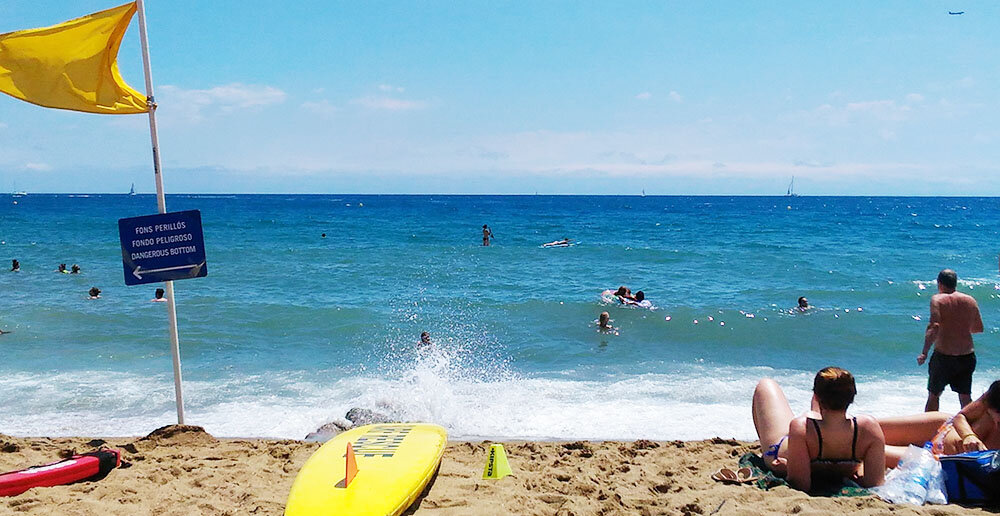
73, 65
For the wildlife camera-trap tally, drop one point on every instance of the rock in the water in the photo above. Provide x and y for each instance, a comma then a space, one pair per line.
362, 416
328, 431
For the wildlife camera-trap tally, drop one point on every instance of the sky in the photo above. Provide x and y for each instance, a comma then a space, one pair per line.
553, 97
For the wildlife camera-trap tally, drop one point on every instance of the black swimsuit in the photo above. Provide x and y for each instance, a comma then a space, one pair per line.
854, 444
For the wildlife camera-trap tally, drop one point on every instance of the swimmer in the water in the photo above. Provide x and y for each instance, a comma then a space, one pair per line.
15, 266
564, 241
425, 340
639, 297
159, 296
75, 269
604, 322
323, 235
62, 268
94, 292
624, 294
803, 304
487, 235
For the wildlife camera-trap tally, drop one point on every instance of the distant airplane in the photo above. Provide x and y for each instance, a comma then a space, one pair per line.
959, 12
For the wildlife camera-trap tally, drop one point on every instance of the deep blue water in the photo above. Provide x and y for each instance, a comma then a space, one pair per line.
290, 329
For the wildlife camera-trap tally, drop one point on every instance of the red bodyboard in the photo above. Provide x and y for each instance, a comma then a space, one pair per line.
93, 465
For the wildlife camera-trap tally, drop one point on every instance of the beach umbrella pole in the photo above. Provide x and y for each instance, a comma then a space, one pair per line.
162, 206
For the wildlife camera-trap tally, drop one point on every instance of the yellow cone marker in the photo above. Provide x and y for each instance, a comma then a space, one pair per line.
496, 465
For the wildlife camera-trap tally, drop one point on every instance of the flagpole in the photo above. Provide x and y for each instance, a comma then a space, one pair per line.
161, 203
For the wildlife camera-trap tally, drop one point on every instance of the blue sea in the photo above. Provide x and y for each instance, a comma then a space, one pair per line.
290, 329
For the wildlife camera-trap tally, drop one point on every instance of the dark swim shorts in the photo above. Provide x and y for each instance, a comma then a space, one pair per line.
954, 370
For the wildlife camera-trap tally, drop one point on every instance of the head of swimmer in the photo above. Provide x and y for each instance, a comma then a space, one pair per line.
604, 319
947, 281
62, 267
834, 389
75, 269
159, 293
622, 291
640, 296
803, 302
94, 292
425, 339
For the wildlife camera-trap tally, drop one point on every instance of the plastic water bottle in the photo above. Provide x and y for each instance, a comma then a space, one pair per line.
915, 490
911, 481
918, 475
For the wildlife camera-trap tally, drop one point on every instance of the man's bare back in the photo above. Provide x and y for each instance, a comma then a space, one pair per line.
954, 318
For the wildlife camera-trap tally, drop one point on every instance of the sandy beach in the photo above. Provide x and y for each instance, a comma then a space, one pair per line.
185, 471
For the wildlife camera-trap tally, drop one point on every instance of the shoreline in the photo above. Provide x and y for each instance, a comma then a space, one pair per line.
181, 470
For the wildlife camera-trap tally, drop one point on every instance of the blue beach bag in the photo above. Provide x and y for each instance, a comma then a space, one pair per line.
973, 477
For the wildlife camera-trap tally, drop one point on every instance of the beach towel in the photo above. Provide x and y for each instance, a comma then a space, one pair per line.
766, 479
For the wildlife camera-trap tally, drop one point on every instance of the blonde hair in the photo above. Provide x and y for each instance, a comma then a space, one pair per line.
834, 388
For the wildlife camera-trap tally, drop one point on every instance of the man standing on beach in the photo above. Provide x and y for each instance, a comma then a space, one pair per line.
954, 318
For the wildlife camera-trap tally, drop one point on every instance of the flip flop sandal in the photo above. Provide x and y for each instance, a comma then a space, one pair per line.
726, 476
745, 476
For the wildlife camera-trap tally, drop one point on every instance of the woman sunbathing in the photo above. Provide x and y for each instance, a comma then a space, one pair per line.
822, 444
976, 427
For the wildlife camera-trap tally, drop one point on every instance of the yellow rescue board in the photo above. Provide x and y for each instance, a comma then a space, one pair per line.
395, 462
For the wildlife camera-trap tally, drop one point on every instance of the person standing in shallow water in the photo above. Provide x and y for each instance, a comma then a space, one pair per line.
954, 318
487, 235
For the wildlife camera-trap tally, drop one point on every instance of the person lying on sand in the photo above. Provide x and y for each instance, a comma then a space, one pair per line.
822, 444
975, 428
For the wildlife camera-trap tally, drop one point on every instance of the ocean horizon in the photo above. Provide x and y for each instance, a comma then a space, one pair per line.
291, 329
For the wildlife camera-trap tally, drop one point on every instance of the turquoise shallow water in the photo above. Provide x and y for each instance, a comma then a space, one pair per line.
289, 329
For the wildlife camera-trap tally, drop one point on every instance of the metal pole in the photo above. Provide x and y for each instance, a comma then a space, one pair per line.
162, 205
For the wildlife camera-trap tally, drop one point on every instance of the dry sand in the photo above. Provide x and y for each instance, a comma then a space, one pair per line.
185, 471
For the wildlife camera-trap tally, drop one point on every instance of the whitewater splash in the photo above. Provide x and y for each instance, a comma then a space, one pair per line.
695, 403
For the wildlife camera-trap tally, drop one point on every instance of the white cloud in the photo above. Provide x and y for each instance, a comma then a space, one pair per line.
38, 167
389, 87
879, 109
843, 115
914, 97
676, 97
193, 104
644, 95
389, 103
322, 107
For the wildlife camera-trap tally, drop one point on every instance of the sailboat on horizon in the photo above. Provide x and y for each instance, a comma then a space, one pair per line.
131, 191
791, 189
